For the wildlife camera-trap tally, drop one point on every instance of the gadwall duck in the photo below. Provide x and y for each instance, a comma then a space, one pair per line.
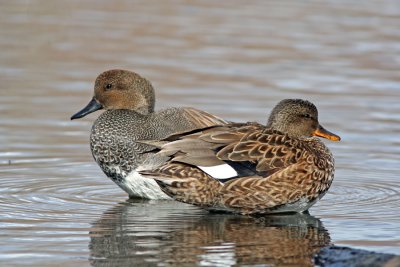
129, 101
248, 168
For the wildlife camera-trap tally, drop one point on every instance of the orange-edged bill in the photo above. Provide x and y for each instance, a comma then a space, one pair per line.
322, 132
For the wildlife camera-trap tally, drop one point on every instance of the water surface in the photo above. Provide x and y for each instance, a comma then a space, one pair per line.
235, 59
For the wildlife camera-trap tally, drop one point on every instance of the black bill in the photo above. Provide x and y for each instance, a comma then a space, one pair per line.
91, 107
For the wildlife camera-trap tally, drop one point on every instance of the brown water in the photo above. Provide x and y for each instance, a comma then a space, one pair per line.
235, 59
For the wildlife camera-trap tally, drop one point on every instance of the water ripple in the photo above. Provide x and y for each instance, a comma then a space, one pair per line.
353, 199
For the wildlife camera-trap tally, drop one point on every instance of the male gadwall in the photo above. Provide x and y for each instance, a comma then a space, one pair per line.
129, 103
249, 168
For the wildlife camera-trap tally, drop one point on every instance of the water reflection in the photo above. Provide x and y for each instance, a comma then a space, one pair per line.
169, 233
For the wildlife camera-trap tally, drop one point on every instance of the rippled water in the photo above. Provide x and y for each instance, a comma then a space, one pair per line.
235, 59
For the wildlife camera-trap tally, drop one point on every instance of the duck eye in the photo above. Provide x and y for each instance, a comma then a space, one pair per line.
308, 116
108, 86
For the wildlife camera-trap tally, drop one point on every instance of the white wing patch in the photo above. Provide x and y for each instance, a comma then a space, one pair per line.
223, 171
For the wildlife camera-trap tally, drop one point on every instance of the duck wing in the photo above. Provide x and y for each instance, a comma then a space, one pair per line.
181, 121
250, 149
200, 118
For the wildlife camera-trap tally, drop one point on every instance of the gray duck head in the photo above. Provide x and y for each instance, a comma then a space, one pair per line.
120, 89
298, 118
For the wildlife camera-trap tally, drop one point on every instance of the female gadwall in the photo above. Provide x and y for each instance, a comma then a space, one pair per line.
249, 168
129, 103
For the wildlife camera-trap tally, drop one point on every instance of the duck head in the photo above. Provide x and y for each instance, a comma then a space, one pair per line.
120, 89
298, 118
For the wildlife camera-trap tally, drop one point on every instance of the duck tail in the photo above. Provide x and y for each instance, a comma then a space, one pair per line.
185, 183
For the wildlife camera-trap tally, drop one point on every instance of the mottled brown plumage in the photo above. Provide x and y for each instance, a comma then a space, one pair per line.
129, 101
280, 167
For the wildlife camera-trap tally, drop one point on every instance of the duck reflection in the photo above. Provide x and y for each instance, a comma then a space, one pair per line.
167, 233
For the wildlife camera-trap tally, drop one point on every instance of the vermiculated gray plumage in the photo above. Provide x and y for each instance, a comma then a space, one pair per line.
115, 133
129, 101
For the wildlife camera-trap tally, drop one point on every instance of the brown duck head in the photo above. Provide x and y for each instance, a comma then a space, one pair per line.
120, 89
298, 118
